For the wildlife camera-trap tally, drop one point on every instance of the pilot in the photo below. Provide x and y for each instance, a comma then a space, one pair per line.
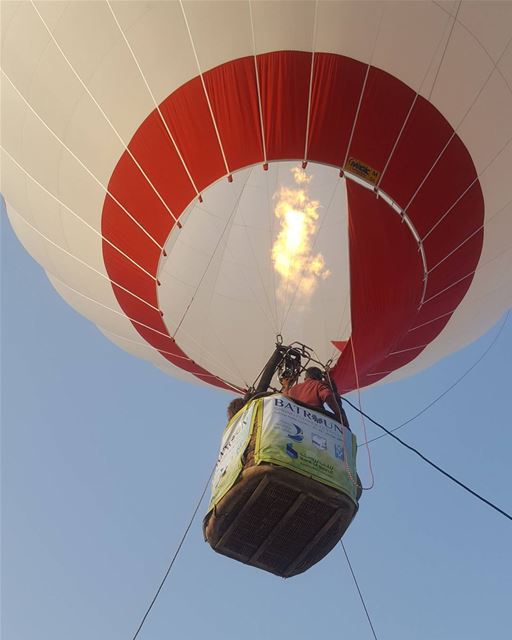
315, 392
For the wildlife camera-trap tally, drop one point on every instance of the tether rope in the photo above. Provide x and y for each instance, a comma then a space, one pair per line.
432, 464
173, 559
359, 590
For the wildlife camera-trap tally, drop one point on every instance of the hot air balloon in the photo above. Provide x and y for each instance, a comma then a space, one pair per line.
198, 178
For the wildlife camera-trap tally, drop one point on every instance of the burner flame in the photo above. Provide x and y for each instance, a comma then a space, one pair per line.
292, 253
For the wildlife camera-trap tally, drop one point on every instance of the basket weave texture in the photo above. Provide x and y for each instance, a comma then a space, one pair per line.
277, 520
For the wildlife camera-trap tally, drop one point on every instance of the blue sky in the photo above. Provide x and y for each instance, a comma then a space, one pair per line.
104, 459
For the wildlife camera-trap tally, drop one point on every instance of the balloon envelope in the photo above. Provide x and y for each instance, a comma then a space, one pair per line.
147, 148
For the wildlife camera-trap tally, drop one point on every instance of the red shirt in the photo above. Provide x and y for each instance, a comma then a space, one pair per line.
311, 392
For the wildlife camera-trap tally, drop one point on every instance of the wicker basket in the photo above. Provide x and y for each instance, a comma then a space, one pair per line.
278, 520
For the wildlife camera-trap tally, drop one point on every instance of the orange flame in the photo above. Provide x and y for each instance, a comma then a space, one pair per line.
292, 253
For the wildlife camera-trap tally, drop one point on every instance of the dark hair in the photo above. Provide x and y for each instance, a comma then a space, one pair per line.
234, 407
314, 373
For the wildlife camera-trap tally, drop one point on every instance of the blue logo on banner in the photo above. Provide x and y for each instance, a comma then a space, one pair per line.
298, 436
338, 452
291, 451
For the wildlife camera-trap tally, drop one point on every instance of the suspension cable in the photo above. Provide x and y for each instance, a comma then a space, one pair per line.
227, 226
173, 559
359, 590
454, 384
432, 464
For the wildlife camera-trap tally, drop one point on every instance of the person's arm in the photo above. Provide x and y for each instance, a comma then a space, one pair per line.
345, 421
330, 401
334, 405
327, 396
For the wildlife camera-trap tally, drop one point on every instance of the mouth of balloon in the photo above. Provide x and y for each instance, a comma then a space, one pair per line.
264, 254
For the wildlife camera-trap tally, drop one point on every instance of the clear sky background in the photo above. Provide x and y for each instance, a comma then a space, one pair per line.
104, 459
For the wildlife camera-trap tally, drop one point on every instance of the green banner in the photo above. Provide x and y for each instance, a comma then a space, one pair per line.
308, 442
234, 442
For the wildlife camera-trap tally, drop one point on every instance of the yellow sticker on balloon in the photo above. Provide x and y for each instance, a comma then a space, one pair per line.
362, 170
